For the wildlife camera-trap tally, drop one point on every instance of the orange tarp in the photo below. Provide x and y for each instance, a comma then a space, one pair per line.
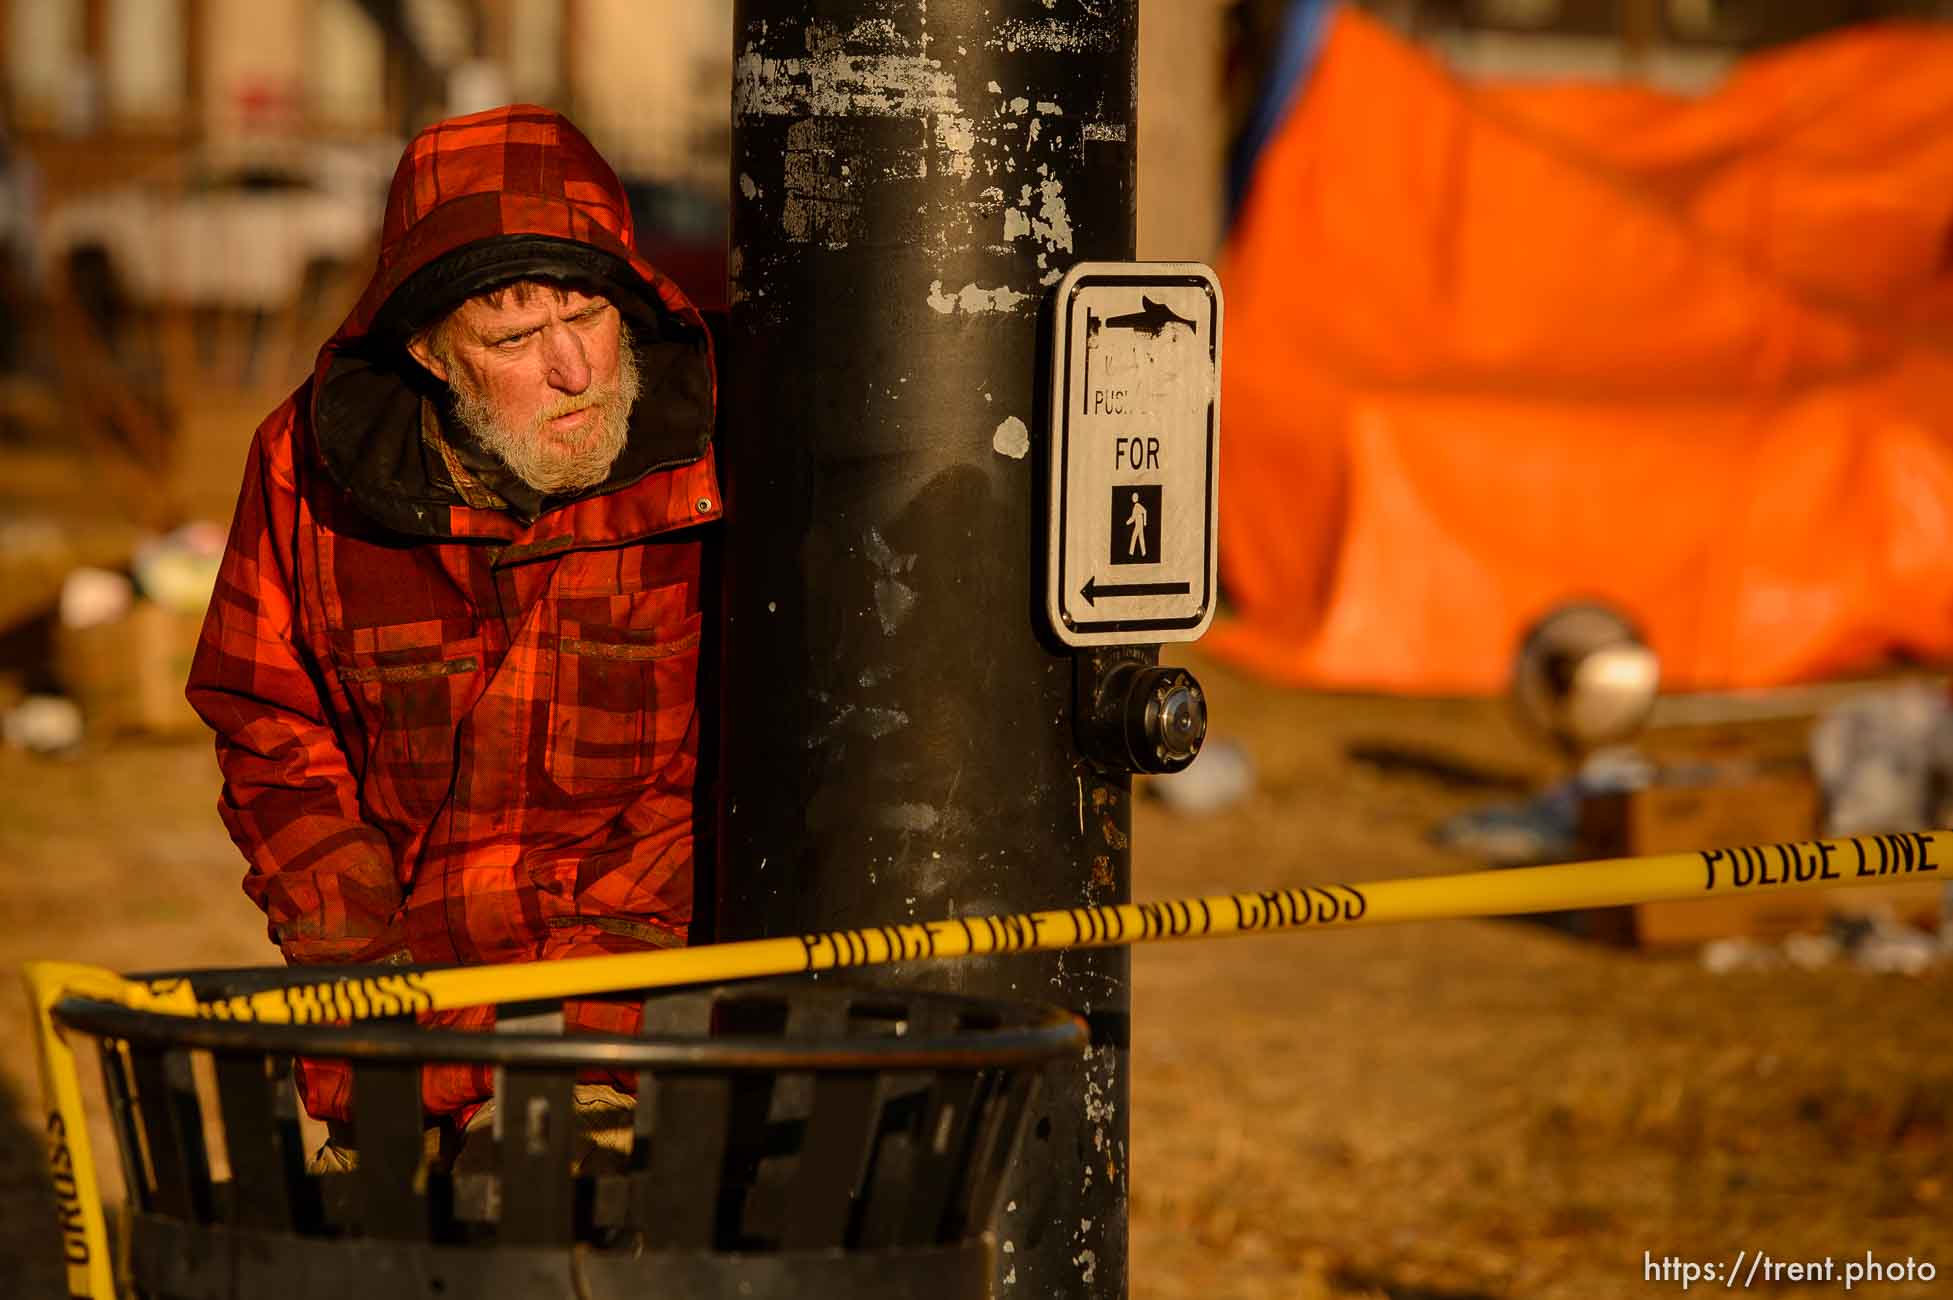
1494, 347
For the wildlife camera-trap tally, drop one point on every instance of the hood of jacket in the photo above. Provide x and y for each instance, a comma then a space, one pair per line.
478, 201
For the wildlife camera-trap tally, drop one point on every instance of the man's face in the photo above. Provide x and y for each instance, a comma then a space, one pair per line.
543, 376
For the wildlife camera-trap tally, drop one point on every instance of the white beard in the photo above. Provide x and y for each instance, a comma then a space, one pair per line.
548, 464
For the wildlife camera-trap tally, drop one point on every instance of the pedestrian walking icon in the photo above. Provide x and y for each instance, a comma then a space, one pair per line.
1136, 524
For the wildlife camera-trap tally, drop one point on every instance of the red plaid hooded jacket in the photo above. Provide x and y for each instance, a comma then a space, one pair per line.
451, 733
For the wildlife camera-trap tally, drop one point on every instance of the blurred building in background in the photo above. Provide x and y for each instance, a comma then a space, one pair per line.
217, 105
190, 197
228, 158
89, 82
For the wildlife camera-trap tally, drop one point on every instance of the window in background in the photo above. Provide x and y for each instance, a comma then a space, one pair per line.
346, 73
444, 29
651, 81
536, 51
145, 60
48, 75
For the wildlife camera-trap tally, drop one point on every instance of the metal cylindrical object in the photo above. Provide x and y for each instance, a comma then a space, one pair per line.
910, 179
1143, 718
789, 1140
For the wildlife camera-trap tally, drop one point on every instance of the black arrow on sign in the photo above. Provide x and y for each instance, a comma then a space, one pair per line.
1152, 318
1091, 591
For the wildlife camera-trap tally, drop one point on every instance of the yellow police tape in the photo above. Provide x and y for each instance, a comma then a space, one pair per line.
1804, 864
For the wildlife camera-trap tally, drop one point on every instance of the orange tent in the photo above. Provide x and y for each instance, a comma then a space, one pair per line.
1493, 347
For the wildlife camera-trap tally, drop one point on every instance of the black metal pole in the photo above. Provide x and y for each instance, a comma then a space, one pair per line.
910, 179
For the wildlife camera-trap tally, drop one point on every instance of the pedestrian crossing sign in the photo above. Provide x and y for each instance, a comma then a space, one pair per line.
1135, 424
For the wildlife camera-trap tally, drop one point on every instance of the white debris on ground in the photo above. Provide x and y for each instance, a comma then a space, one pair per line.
1875, 943
120, 644
178, 570
1545, 827
43, 724
92, 597
1222, 775
1885, 760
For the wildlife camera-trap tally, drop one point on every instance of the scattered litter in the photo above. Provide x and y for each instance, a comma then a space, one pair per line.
1546, 827
1885, 761
1223, 774
43, 724
1811, 951
1879, 943
1727, 956
1873, 942
1621, 769
179, 569
93, 597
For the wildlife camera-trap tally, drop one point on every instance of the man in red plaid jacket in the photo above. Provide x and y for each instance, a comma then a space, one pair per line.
452, 653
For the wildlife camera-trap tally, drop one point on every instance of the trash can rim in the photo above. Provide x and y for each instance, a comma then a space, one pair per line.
1047, 1033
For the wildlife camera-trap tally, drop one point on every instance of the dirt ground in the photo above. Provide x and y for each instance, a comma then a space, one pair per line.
1430, 1112
1492, 1108
1438, 1111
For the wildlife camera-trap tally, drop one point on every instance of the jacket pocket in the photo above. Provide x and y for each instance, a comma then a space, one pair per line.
625, 680
409, 683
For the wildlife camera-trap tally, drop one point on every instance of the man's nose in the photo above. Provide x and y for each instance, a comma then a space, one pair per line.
568, 367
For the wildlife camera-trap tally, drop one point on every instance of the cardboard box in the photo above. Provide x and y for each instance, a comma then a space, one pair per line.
128, 676
1740, 805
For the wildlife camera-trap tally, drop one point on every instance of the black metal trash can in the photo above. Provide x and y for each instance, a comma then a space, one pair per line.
791, 1138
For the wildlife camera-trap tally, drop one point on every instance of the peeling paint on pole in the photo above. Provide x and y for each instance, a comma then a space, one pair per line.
1012, 439
935, 114
974, 298
909, 178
